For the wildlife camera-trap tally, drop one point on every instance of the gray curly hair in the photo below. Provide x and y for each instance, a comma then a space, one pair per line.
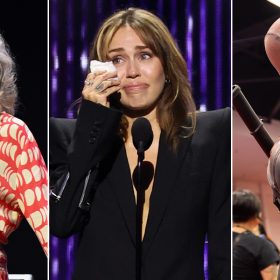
8, 88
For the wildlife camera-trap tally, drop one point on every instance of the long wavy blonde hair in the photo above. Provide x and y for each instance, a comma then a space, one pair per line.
8, 88
176, 104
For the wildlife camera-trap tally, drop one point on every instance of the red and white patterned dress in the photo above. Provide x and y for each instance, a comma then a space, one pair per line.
23, 184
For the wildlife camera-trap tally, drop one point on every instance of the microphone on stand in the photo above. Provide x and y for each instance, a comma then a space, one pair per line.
142, 137
272, 49
252, 121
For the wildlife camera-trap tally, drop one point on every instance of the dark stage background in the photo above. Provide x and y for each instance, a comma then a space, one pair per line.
202, 31
23, 24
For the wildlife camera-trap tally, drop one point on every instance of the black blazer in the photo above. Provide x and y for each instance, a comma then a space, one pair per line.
92, 193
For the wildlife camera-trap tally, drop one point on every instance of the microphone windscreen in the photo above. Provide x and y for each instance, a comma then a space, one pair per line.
273, 172
272, 44
142, 134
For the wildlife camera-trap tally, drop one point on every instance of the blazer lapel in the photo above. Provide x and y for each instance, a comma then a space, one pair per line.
121, 184
167, 171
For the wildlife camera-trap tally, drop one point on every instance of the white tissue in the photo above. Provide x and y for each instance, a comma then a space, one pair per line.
96, 65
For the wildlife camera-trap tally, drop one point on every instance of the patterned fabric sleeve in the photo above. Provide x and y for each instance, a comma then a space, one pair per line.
32, 191
3, 265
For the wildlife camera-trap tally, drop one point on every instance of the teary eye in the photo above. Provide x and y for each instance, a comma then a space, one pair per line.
117, 60
145, 55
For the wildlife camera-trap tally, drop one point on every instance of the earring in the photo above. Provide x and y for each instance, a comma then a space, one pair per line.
167, 81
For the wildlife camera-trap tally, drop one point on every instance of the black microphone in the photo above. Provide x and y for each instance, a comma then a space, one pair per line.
142, 135
252, 121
